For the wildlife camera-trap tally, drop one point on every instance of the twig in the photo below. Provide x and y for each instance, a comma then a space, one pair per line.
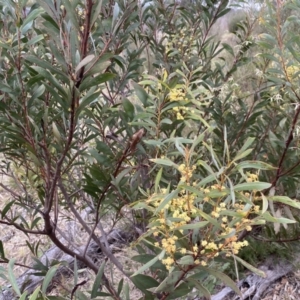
279, 172
91, 233
9, 190
276, 241
77, 286
16, 264
22, 228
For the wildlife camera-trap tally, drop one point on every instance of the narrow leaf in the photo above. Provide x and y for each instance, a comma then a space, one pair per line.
166, 200
252, 164
164, 161
168, 283
224, 278
35, 294
144, 282
258, 186
84, 62
116, 12
193, 225
51, 272
140, 92
200, 288
208, 218
285, 200
149, 263
242, 155
250, 267
2, 254
186, 260
157, 180
6, 208
264, 204
12, 278
98, 280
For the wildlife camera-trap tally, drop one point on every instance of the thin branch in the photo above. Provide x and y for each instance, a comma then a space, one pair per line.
16, 264
290, 169
276, 241
86, 34
9, 190
77, 286
289, 139
19, 227
86, 260
91, 233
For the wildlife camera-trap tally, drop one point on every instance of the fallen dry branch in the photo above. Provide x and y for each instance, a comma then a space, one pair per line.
255, 287
116, 239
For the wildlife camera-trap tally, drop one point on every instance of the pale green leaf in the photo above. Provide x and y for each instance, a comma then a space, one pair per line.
157, 180
285, 200
224, 278
252, 164
169, 282
250, 267
186, 260
264, 204
164, 161
98, 280
209, 219
266, 216
242, 155
196, 225
84, 62
250, 186
24, 296
35, 294
247, 144
48, 278
12, 278
166, 200
149, 263
200, 288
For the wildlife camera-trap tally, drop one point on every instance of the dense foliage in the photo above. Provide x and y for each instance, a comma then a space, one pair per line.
142, 110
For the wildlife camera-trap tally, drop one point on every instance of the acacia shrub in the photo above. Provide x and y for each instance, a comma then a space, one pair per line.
104, 104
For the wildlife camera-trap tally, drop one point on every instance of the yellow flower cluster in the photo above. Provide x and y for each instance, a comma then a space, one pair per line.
155, 199
186, 172
168, 262
207, 190
180, 111
177, 95
185, 208
209, 246
239, 207
254, 196
216, 212
291, 71
169, 244
182, 43
181, 209
80, 12
244, 224
231, 245
261, 21
256, 209
215, 187
252, 177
